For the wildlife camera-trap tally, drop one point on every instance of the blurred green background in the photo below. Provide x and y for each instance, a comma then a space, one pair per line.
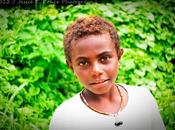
34, 78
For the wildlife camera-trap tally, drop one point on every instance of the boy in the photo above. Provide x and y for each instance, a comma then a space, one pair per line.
93, 52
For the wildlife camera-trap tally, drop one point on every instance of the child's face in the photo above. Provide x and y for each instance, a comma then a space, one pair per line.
95, 62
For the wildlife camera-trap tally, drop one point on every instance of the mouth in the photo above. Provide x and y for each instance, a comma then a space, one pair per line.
99, 82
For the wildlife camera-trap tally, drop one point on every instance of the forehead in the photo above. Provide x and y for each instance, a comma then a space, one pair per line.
92, 44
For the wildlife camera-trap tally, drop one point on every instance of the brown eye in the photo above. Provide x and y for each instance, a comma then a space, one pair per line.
104, 59
83, 63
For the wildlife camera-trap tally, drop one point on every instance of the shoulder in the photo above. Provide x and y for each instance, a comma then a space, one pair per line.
137, 90
142, 103
63, 112
140, 99
139, 94
67, 104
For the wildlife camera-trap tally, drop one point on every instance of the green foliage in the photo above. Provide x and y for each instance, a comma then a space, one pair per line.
34, 78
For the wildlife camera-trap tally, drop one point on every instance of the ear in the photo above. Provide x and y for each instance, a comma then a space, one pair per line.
120, 53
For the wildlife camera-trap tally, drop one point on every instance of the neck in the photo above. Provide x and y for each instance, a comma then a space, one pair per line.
110, 96
109, 103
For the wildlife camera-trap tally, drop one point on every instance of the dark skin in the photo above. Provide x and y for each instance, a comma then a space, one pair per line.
95, 62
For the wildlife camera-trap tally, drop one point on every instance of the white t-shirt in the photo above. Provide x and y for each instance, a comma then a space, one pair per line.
140, 113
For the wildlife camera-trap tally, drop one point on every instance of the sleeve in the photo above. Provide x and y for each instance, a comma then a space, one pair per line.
54, 120
59, 118
156, 120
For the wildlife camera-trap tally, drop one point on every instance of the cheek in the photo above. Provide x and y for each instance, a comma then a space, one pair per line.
82, 75
112, 69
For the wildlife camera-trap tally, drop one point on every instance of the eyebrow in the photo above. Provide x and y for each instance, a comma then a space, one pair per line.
104, 53
99, 55
81, 58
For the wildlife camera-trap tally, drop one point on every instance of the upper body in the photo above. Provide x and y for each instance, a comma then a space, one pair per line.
140, 113
93, 52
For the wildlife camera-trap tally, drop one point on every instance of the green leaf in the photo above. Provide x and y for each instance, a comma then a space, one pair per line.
34, 90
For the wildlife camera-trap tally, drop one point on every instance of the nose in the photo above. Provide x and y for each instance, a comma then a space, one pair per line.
96, 70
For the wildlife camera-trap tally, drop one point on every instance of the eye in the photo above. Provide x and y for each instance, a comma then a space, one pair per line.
105, 58
83, 63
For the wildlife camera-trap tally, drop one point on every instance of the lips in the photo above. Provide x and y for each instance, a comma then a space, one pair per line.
99, 82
